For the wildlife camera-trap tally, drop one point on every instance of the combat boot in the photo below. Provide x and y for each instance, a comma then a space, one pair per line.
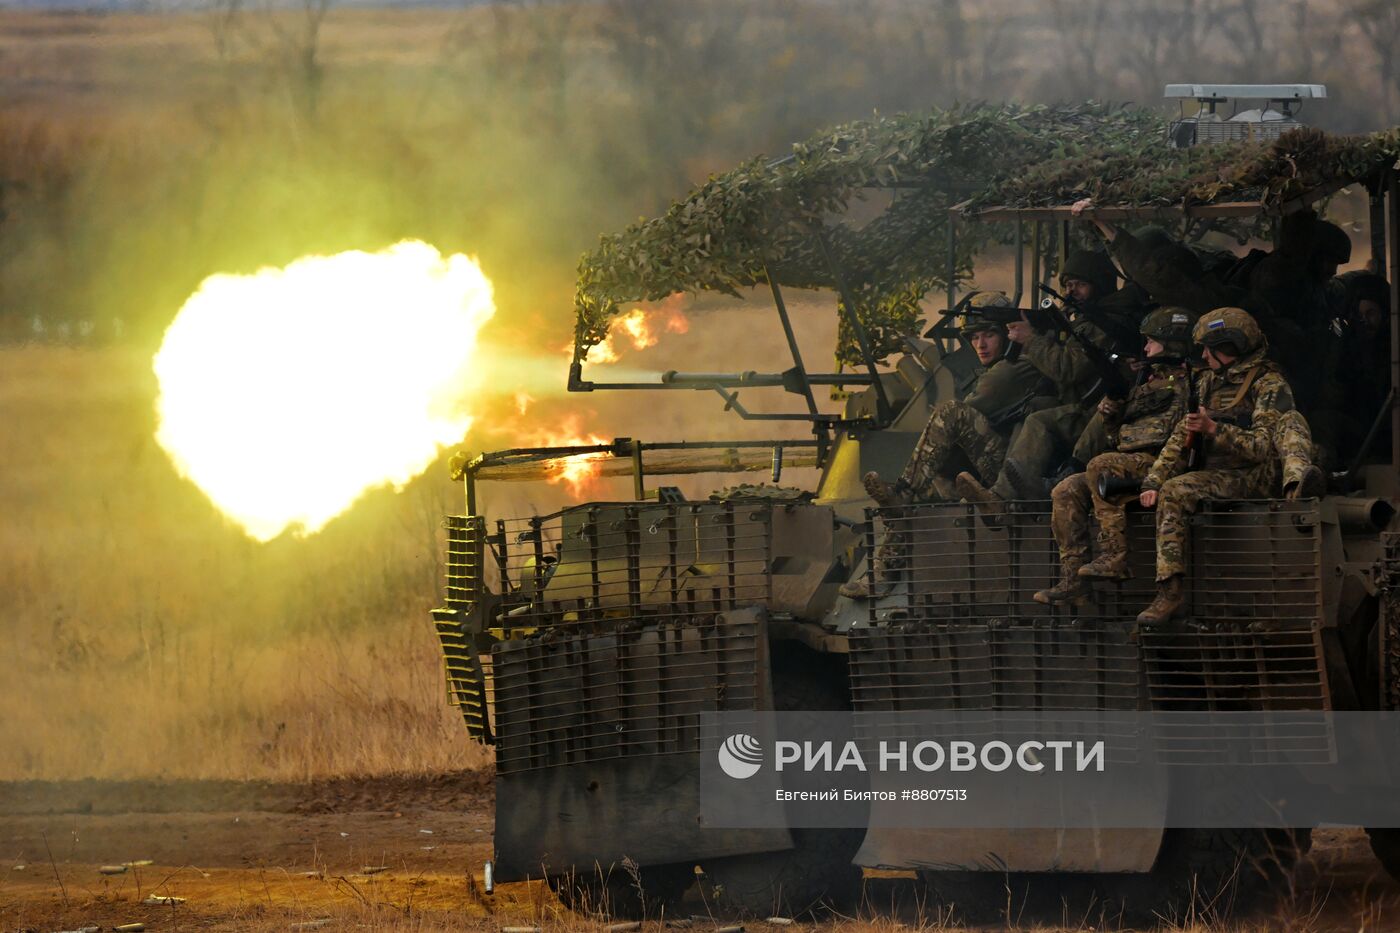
1309, 484
1071, 586
885, 494
860, 589
1167, 603
1107, 566
987, 502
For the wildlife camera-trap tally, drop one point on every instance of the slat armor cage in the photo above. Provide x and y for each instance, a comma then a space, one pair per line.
624, 561
581, 698
602, 567
956, 628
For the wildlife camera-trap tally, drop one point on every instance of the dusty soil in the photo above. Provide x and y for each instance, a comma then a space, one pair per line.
250, 855
265, 856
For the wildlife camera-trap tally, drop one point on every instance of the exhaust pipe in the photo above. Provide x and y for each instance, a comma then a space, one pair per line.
1363, 516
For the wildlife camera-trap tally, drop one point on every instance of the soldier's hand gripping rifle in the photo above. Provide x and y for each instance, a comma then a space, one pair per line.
1111, 379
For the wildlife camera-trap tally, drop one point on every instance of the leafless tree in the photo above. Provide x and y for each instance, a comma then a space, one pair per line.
1080, 27
224, 18
1241, 24
1379, 22
298, 47
992, 50
1163, 40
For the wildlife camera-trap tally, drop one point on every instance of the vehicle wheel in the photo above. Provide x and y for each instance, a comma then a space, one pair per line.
624, 891
1206, 874
1203, 875
976, 897
796, 882
1385, 843
817, 871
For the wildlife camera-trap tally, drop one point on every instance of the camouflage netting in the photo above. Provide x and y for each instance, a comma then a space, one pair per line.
1298, 162
720, 237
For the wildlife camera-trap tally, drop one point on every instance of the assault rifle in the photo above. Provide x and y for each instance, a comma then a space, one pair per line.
1111, 379
1194, 451
1039, 320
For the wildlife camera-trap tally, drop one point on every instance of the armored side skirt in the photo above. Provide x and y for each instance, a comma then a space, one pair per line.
598, 742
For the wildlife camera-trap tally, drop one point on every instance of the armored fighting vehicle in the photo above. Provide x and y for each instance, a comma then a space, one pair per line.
584, 644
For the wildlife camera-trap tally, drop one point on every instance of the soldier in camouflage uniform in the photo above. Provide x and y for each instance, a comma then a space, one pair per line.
1246, 421
1136, 430
979, 426
976, 428
1108, 319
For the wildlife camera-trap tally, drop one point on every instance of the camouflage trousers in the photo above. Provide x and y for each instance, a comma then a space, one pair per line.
1093, 440
1293, 443
1078, 495
1045, 439
1181, 495
953, 427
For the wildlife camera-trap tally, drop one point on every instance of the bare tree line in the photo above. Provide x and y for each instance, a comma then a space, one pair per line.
537, 123
688, 66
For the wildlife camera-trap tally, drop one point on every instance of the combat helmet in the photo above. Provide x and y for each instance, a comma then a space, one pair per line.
1231, 329
986, 311
1331, 243
1171, 327
1093, 267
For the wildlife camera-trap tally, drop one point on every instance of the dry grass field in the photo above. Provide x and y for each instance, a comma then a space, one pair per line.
145, 637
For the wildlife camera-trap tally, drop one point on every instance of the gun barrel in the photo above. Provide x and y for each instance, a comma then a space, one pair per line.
672, 377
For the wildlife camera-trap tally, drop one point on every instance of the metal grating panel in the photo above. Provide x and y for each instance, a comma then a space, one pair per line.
1388, 647
1039, 666
957, 628
462, 668
1251, 562
1192, 132
568, 699
465, 536
669, 561
1230, 670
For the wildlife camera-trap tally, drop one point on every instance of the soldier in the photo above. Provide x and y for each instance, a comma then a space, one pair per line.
977, 428
1136, 431
1357, 371
1108, 320
1246, 416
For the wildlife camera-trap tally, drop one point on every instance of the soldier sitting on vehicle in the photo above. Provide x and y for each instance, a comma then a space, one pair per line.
1245, 421
1108, 322
976, 429
1357, 371
1285, 290
1137, 429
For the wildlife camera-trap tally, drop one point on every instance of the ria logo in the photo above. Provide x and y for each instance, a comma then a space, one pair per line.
740, 756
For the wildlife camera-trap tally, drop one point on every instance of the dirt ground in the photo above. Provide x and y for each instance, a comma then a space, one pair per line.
391, 854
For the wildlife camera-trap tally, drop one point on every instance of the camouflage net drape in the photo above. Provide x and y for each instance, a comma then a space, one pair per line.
1298, 162
721, 236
